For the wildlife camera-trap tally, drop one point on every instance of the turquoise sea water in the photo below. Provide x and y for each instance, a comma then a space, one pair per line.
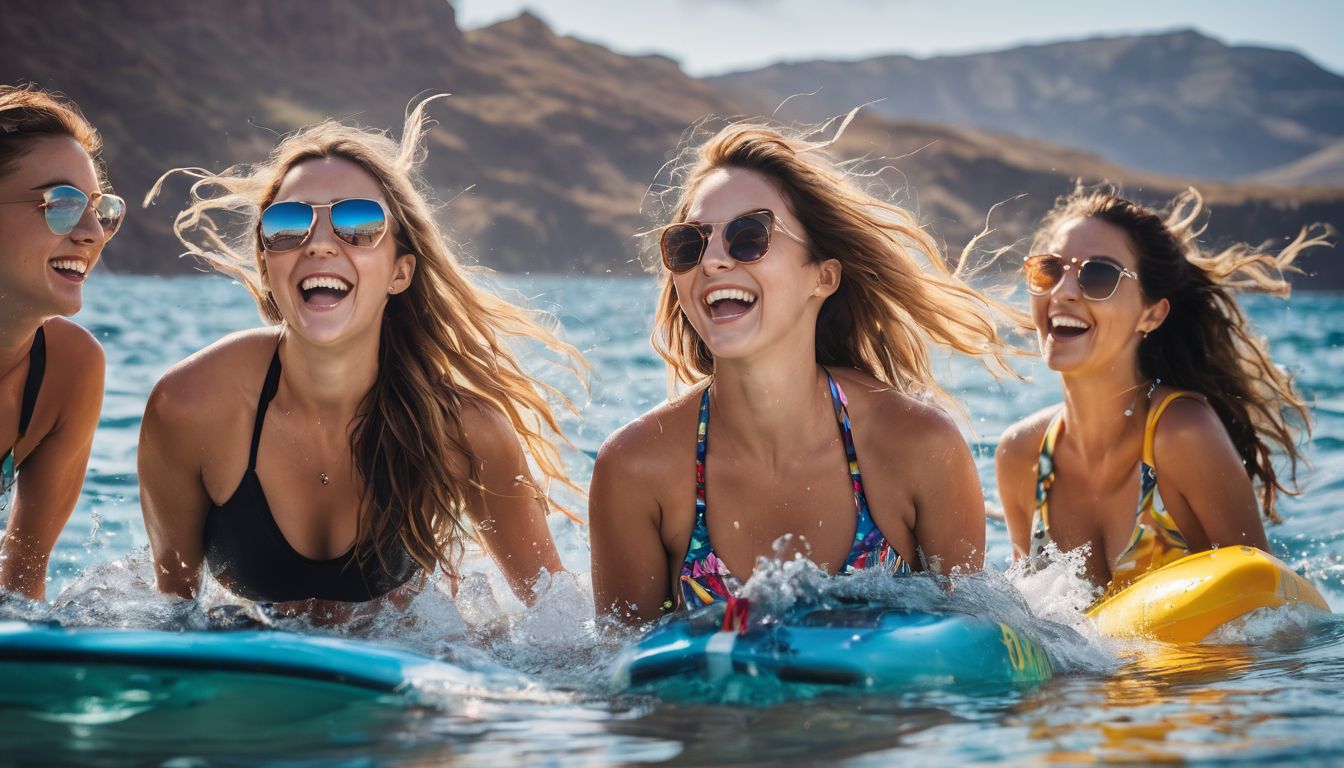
1267, 692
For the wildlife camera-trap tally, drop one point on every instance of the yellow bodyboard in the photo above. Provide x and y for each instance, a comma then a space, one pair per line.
1185, 601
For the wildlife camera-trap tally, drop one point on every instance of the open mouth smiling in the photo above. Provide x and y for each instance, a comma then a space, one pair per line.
324, 291
1068, 327
729, 303
70, 268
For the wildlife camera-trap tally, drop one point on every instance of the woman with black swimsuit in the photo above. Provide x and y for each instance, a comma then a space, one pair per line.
352, 446
55, 219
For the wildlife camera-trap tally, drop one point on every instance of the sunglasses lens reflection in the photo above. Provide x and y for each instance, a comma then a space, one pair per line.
1098, 279
1044, 273
285, 226
682, 246
110, 210
358, 222
64, 206
748, 237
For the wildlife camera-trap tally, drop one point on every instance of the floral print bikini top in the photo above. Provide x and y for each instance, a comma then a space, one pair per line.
704, 577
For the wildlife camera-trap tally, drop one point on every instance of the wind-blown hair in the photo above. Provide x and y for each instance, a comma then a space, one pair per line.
897, 295
1206, 344
442, 341
28, 112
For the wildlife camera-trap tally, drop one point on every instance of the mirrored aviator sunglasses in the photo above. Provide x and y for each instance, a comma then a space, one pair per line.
745, 238
357, 221
63, 206
1098, 279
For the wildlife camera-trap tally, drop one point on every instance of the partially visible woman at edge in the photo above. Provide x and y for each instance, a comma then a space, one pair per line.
351, 447
1171, 403
55, 217
800, 311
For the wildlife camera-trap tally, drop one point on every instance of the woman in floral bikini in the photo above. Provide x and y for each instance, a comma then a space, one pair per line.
798, 310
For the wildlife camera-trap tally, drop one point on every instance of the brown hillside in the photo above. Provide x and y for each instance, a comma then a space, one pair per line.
555, 140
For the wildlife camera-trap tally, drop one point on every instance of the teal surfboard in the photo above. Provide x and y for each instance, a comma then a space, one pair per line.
82, 676
861, 647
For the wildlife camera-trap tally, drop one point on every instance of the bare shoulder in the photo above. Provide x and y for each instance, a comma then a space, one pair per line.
881, 412
70, 340
646, 446
211, 381
487, 431
74, 353
1188, 426
482, 420
1022, 440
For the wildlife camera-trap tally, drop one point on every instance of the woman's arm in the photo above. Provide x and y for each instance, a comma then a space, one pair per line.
507, 510
629, 561
1015, 466
1195, 456
52, 476
173, 497
949, 502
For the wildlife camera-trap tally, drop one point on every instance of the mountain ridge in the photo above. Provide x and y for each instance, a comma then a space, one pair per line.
547, 147
1181, 103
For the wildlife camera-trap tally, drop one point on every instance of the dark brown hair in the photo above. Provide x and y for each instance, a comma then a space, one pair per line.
27, 112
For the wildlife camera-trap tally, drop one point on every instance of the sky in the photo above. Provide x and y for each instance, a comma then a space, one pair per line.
716, 36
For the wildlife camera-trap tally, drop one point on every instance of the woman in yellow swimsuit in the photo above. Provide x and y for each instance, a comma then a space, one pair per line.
1171, 404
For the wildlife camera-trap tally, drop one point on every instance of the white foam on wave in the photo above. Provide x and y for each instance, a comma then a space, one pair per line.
555, 649
1285, 623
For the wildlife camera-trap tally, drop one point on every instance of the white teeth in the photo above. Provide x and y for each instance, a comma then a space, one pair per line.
1065, 321
736, 294
324, 281
74, 265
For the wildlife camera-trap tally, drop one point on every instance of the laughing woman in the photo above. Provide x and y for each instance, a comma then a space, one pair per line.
357, 442
55, 218
800, 310
1171, 403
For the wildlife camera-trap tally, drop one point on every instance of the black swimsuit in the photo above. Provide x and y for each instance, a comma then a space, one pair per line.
247, 552
37, 368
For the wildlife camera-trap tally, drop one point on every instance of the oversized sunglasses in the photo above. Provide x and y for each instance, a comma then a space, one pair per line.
63, 206
358, 221
1098, 279
745, 238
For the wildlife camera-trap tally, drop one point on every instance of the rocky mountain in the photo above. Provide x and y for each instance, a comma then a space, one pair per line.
1181, 103
548, 134
547, 147
953, 177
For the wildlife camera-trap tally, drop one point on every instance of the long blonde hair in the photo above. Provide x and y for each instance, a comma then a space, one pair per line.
1206, 344
897, 295
442, 339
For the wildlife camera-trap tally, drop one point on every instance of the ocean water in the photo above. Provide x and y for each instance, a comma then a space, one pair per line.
1267, 690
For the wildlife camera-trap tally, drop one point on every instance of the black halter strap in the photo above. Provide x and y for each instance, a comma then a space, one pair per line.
268, 391
37, 368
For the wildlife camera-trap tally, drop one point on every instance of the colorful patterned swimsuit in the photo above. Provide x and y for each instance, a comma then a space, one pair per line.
1152, 545
37, 367
704, 577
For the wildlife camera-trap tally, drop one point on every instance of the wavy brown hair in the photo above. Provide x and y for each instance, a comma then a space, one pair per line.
28, 112
442, 341
1206, 344
897, 294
